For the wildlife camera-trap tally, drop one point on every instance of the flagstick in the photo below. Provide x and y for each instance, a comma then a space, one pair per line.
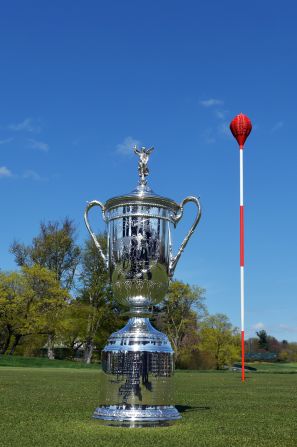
241, 225
241, 127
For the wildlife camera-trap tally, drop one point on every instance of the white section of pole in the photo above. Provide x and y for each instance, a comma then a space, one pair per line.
241, 176
242, 297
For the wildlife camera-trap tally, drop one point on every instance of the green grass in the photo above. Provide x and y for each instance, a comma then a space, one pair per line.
39, 362
275, 367
50, 407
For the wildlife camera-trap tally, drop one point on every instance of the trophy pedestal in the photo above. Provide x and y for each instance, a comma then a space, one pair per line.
136, 387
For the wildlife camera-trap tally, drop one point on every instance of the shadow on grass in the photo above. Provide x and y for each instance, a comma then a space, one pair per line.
188, 408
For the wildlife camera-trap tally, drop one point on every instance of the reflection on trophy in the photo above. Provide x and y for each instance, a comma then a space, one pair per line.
138, 361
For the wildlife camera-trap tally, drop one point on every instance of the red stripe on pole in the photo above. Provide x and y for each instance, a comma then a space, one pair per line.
242, 356
241, 213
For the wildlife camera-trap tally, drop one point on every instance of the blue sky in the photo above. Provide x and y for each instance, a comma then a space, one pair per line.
80, 81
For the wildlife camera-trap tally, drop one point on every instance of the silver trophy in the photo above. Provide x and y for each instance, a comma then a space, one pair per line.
138, 360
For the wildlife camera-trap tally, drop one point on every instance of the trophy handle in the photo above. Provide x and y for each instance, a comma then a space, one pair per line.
174, 259
93, 236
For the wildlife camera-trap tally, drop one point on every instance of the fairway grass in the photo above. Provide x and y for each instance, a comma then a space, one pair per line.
50, 407
275, 367
40, 362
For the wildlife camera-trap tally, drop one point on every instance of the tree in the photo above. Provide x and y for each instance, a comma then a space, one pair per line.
55, 249
71, 329
95, 297
263, 339
11, 291
180, 311
29, 303
51, 300
219, 338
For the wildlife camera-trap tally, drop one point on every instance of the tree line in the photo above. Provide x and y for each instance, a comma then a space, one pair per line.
60, 300
59, 297
261, 346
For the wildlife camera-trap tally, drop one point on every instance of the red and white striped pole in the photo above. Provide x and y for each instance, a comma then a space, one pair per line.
241, 127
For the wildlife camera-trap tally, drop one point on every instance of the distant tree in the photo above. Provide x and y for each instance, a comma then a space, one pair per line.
284, 356
288, 352
218, 337
55, 249
292, 347
180, 311
263, 339
273, 345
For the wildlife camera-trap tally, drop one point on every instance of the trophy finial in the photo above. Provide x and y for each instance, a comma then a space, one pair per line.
143, 170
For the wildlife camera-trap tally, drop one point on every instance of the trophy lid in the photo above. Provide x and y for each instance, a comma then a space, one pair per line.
143, 192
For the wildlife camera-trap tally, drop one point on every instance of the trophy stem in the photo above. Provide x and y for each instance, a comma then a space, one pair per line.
138, 312
138, 366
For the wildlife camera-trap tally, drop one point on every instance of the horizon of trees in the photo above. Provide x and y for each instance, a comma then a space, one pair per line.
59, 301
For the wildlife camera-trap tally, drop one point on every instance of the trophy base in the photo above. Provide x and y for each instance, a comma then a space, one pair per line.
137, 416
136, 384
